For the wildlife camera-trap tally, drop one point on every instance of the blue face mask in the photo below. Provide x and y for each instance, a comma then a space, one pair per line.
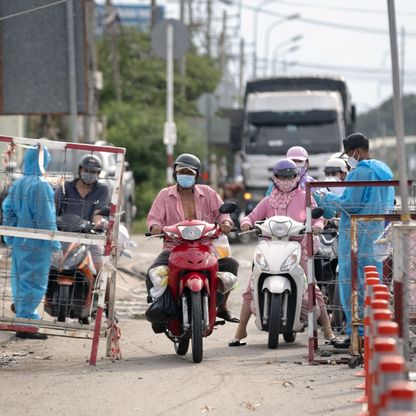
185, 181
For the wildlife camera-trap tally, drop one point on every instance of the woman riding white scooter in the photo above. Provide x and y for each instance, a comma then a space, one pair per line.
287, 199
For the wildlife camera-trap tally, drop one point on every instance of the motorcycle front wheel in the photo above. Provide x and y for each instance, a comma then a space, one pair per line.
63, 302
196, 309
275, 320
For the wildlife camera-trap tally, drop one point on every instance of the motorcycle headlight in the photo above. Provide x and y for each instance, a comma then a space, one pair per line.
191, 232
74, 258
290, 261
279, 229
261, 260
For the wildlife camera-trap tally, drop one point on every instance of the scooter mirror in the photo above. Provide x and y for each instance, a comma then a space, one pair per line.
317, 212
228, 207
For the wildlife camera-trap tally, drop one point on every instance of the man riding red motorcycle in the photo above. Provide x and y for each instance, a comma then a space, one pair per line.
186, 201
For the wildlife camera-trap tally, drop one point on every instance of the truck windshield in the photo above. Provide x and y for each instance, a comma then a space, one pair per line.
277, 139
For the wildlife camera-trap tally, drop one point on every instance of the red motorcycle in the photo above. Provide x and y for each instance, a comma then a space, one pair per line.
192, 283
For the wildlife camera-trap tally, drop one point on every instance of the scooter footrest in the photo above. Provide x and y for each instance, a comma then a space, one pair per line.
219, 323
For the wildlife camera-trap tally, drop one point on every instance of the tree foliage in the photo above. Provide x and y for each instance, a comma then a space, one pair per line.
136, 122
380, 121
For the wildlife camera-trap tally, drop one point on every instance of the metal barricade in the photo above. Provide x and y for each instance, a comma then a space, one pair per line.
358, 224
102, 287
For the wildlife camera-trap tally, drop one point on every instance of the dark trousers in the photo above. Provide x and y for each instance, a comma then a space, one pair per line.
226, 264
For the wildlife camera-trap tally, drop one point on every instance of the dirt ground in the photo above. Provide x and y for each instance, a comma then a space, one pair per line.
53, 377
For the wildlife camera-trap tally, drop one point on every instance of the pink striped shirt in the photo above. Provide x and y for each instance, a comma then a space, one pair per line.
167, 207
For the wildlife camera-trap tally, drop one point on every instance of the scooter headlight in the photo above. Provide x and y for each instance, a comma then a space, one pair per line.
290, 261
191, 232
279, 229
261, 260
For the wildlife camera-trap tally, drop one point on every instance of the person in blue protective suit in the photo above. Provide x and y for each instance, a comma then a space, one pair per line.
30, 204
359, 200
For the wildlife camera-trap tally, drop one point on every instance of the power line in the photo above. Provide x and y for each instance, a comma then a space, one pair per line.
325, 23
347, 9
32, 10
362, 70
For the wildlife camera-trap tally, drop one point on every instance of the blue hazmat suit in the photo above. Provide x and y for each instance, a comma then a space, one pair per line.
358, 201
30, 204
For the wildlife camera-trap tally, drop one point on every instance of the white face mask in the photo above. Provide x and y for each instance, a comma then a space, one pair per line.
352, 161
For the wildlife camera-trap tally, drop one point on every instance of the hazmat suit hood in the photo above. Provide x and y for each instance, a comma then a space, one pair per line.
32, 159
380, 169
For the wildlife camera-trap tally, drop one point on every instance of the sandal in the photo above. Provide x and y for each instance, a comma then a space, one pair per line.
228, 316
334, 340
236, 343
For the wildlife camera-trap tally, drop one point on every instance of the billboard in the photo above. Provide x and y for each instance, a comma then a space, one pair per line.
34, 60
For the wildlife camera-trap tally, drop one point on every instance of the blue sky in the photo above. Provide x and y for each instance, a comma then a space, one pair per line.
348, 38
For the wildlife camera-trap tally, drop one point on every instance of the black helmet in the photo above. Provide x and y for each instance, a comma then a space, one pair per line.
186, 160
91, 162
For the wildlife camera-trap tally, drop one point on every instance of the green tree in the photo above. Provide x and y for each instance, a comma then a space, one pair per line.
136, 122
380, 121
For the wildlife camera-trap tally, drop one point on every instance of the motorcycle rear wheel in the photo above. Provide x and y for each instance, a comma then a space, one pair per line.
274, 320
181, 347
197, 349
63, 303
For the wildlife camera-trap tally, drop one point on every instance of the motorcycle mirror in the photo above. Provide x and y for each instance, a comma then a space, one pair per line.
228, 208
317, 212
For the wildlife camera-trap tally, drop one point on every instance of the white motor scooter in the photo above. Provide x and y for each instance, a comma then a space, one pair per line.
279, 282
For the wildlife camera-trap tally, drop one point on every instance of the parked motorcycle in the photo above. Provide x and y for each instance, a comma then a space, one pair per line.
279, 282
71, 279
326, 272
192, 285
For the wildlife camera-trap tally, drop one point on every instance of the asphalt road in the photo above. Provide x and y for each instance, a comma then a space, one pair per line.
53, 377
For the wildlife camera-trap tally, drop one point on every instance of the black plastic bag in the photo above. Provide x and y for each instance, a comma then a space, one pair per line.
162, 308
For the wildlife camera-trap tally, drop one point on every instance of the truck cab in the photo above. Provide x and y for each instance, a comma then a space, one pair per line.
279, 115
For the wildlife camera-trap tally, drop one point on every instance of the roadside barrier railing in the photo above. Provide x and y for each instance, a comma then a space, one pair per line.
103, 291
358, 228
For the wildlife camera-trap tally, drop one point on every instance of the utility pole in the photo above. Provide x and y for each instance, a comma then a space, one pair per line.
153, 7
241, 70
222, 43
182, 62
111, 31
190, 17
403, 48
208, 32
90, 118
72, 71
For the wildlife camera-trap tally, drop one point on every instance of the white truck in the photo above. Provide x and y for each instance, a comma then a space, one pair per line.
313, 112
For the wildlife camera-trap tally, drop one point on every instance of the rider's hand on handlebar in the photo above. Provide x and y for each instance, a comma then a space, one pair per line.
225, 227
155, 230
245, 227
316, 230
